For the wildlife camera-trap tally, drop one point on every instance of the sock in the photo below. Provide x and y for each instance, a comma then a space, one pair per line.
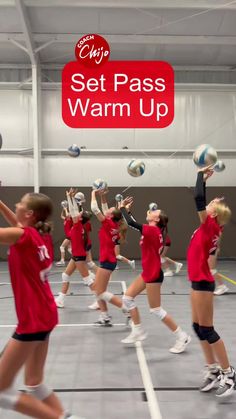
179, 333
62, 296
104, 315
213, 367
227, 370
136, 327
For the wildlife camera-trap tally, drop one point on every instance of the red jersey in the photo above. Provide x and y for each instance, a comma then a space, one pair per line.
29, 261
88, 228
108, 236
77, 239
151, 242
203, 241
68, 224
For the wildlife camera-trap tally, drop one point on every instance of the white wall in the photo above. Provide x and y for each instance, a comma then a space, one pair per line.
202, 115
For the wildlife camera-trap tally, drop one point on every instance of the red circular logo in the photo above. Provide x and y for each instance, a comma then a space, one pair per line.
92, 50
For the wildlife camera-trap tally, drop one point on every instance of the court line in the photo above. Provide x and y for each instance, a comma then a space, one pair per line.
146, 377
5, 326
71, 282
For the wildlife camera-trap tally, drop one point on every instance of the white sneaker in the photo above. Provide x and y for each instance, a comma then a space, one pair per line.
168, 272
94, 306
180, 344
221, 289
60, 263
117, 268
135, 336
59, 302
178, 267
132, 264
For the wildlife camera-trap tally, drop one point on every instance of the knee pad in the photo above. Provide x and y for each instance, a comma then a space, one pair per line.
65, 277
9, 398
62, 249
209, 334
196, 329
214, 271
89, 280
159, 312
91, 264
128, 303
105, 296
119, 257
40, 392
163, 259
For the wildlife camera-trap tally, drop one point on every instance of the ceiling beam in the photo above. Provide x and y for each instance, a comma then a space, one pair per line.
28, 37
129, 4
122, 39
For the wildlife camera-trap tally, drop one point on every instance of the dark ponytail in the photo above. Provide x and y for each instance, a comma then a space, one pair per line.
162, 224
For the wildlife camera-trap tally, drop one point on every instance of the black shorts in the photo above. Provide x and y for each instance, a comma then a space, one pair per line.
30, 337
110, 266
88, 247
158, 280
203, 286
79, 258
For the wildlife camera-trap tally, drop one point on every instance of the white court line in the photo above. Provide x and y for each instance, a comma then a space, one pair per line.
71, 282
4, 326
147, 383
153, 405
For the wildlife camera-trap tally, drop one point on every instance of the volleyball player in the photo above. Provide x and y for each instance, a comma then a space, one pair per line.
170, 266
213, 216
29, 262
108, 236
77, 233
151, 277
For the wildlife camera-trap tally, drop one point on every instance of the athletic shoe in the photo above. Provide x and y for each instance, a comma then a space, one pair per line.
117, 268
60, 263
132, 264
69, 416
94, 306
221, 289
178, 267
135, 336
103, 322
168, 272
59, 302
227, 383
180, 344
210, 379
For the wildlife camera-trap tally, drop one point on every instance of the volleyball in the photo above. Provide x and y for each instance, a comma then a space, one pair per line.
204, 155
118, 197
73, 150
99, 184
136, 168
64, 204
219, 166
80, 198
153, 206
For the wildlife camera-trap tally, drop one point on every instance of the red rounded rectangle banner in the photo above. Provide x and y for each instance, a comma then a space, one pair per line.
119, 94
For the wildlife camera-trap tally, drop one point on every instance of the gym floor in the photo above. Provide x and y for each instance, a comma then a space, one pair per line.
97, 377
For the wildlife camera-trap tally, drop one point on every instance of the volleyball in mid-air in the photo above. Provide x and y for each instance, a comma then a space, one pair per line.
73, 150
80, 198
99, 184
204, 155
118, 197
153, 206
136, 168
64, 204
219, 166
